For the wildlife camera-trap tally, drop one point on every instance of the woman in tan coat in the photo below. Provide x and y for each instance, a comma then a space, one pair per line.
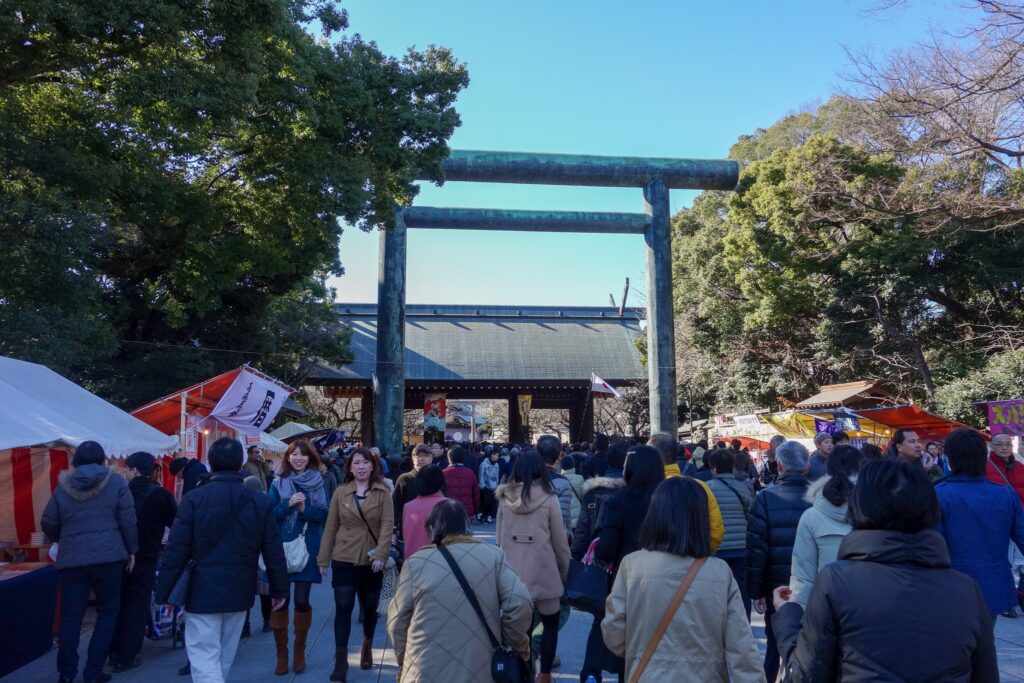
356, 544
437, 634
703, 642
531, 532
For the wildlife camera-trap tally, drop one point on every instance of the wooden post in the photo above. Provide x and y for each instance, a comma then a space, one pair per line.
661, 364
181, 432
389, 403
515, 423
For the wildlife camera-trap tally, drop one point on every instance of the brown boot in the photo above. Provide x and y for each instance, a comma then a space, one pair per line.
302, 623
279, 625
340, 672
366, 654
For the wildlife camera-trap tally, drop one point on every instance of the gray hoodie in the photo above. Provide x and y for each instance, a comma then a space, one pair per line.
92, 516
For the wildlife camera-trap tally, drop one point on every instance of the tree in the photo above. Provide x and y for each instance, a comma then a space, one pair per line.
202, 155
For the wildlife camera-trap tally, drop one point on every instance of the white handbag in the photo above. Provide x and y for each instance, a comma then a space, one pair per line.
296, 555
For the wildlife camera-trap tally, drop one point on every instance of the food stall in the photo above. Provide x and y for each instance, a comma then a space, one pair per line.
43, 416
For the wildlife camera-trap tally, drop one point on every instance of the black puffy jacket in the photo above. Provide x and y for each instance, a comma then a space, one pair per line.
771, 532
224, 578
890, 609
596, 492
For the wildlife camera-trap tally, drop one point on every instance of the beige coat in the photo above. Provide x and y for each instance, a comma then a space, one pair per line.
533, 538
437, 635
346, 537
708, 640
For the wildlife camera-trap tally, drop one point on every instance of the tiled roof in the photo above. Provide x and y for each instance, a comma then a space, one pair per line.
498, 343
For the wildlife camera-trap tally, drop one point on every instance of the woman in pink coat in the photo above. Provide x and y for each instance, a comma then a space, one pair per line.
430, 485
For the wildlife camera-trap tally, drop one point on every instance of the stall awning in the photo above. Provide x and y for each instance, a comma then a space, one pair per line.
39, 407
928, 425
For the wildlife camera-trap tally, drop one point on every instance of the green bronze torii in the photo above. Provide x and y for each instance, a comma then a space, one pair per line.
654, 176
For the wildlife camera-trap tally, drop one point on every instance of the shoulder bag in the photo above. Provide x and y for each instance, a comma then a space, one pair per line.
506, 664
666, 619
179, 592
296, 554
389, 580
586, 585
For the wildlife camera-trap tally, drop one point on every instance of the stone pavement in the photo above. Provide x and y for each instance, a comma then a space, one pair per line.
254, 662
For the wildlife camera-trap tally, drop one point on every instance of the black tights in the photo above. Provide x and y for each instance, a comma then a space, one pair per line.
548, 641
344, 602
301, 597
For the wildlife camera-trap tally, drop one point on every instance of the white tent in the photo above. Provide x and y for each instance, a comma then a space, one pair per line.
43, 416
39, 407
269, 443
290, 429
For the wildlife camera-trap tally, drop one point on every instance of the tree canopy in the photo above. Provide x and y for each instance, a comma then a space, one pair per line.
174, 178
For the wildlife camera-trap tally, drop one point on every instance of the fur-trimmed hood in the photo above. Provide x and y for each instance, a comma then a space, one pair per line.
815, 497
603, 482
85, 482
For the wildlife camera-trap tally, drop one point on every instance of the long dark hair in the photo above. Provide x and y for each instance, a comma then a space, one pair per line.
528, 469
843, 462
644, 470
677, 519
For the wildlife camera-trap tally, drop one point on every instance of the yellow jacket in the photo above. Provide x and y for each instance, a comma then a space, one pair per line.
714, 513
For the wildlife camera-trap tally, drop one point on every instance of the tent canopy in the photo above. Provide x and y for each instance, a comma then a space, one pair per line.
39, 407
165, 412
928, 425
290, 429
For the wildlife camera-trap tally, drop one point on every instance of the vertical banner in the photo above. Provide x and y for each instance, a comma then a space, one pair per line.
251, 402
1006, 417
435, 410
191, 436
525, 400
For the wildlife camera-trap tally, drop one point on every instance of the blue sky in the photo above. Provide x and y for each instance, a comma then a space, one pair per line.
650, 78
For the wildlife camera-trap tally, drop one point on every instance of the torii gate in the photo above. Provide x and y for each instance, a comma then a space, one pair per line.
654, 176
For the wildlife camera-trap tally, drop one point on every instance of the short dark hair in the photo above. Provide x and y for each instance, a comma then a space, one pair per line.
617, 454
898, 437
549, 448
252, 447
871, 452
677, 519
376, 474
568, 462
721, 460
600, 442
448, 518
225, 455
967, 452
429, 480
736, 444
456, 455
88, 453
843, 462
893, 495
840, 437
142, 461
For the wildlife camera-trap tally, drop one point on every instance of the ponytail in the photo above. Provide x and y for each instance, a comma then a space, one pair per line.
837, 489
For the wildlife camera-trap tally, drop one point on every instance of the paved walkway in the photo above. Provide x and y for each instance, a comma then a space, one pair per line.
255, 660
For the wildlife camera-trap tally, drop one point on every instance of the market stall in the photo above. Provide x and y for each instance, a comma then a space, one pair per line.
43, 416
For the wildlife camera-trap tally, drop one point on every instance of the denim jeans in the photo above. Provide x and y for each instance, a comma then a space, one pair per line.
75, 585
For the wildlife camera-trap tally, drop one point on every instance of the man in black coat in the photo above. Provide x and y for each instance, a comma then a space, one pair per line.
405, 486
771, 533
155, 510
223, 527
190, 471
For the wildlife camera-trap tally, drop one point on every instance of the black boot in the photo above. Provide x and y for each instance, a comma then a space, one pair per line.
340, 672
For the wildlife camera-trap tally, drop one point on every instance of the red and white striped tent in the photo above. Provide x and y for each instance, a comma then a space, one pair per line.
43, 416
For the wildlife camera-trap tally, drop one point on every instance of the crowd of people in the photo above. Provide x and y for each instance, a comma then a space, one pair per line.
866, 564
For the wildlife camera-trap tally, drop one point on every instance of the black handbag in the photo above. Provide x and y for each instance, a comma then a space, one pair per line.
586, 586
506, 664
180, 590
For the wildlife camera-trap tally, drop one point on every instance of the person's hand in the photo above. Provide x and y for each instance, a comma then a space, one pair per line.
296, 499
377, 566
277, 603
927, 460
781, 596
130, 565
761, 606
323, 571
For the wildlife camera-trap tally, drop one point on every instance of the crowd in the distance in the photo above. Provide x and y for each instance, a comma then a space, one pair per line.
867, 565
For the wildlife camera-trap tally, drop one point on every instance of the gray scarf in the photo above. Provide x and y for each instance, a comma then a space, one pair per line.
309, 482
